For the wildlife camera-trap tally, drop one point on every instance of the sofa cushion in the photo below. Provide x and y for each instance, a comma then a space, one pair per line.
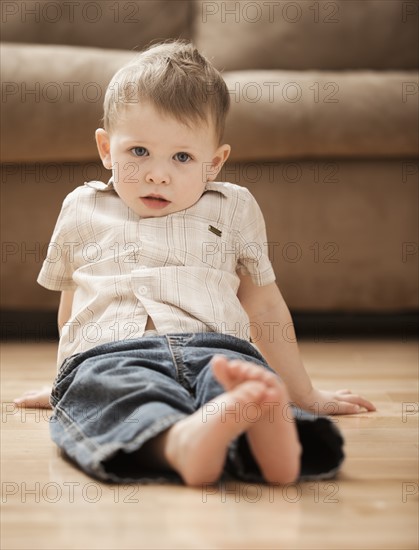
120, 25
52, 100
303, 114
52, 104
343, 34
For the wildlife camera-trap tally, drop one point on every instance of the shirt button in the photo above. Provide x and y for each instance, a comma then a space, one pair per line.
143, 290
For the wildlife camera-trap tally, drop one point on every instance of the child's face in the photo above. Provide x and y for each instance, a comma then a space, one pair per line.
159, 165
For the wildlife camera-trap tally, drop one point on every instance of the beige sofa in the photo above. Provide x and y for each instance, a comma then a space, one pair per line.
323, 129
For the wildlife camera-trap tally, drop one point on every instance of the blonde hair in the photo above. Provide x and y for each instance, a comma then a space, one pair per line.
177, 80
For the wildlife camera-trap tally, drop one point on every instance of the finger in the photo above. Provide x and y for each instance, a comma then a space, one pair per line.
341, 407
39, 401
29, 393
43, 390
359, 400
22, 401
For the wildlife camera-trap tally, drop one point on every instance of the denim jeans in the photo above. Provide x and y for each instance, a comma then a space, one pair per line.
112, 399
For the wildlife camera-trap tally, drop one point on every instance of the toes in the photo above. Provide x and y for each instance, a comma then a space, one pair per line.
221, 371
249, 391
231, 373
250, 371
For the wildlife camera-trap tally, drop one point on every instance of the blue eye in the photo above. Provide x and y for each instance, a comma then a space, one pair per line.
182, 157
139, 151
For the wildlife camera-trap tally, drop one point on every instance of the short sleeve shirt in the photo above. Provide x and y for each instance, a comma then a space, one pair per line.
180, 269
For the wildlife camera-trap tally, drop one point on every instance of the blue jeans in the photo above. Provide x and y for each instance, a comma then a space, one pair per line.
112, 399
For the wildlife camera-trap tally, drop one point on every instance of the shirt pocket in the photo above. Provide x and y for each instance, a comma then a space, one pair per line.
196, 242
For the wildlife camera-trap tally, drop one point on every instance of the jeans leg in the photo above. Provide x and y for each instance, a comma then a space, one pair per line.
111, 403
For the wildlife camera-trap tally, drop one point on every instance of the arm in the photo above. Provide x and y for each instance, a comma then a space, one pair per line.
273, 332
64, 309
39, 399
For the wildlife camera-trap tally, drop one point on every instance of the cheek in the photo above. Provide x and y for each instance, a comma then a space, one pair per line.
195, 190
197, 179
124, 181
126, 172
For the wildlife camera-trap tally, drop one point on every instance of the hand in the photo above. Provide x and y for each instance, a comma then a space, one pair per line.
37, 399
334, 402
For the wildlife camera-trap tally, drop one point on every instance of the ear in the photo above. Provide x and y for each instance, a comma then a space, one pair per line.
104, 147
219, 158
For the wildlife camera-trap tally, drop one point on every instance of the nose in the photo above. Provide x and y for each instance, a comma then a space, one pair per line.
157, 175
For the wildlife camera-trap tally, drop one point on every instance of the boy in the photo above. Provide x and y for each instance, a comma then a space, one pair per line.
163, 281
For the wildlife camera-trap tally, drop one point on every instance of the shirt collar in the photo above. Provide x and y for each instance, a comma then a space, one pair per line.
100, 185
216, 186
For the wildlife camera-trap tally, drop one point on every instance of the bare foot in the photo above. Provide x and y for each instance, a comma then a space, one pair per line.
273, 437
196, 446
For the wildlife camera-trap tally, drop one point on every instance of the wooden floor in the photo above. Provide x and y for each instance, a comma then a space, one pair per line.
373, 504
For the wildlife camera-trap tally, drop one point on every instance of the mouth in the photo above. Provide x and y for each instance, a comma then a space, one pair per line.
156, 202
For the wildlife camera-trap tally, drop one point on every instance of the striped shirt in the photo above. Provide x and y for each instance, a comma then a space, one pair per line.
181, 269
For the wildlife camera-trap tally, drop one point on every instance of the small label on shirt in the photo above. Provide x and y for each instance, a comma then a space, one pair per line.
215, 230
